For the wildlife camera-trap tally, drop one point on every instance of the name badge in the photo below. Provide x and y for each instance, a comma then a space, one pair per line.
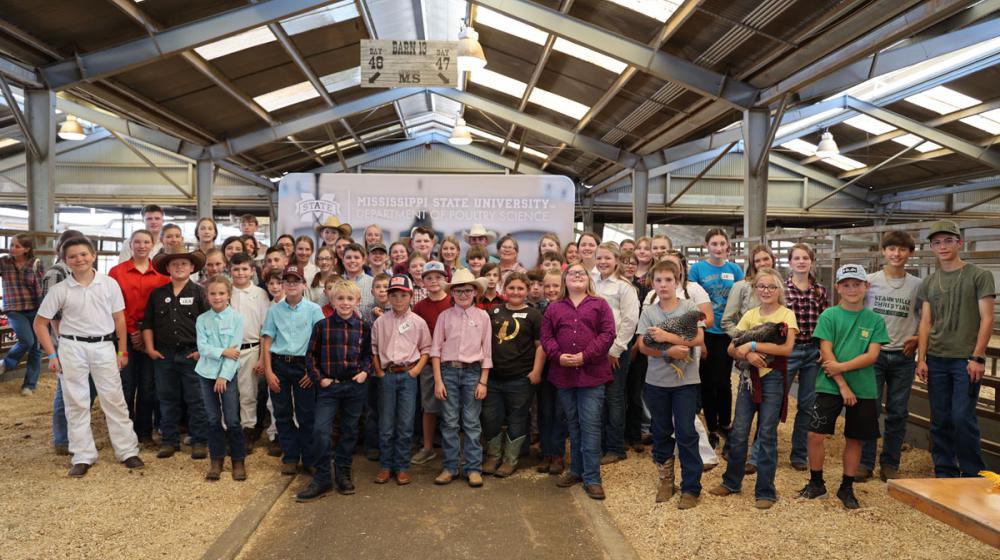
186, 300
520, 315
403, 327
727, 276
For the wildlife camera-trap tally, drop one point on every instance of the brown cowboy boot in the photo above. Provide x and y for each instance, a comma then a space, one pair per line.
666, 489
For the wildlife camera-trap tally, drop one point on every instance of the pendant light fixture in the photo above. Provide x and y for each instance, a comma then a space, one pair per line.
827, 147
71, 129
470, 52
460, 135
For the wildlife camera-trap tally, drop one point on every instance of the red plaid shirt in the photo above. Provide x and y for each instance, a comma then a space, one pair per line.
807, 306
339, 348
22, 287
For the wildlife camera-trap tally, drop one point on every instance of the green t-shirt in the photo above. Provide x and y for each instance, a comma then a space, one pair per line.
851, 332
954, 297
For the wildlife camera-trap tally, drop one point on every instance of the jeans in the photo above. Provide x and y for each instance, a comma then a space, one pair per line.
349, 398
508, 402
613, 440
461, 404
177, 384
804, 361
21, 322
672, 411
955, 441
765, 446
219, 408
552, 432
140, 391
716, 382
371, 415
635, 412
894, 376
583, 406
60, 431
397, 403
294, 412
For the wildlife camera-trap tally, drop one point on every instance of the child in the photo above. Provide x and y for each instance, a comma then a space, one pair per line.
22, 274
399, 253
215, 264
92, 318
551, 425
354, 263
326, 265
252, 304
169, 333
761, 390
274, 261
422, 241
328, 310
553, 260
659, 246
477, 257
450, 251
380, 299
220, 335
284, 340
462, 358
490, 297
276, 293
850, 338
377, 259
172, 238
536, 298
338, 361
429, 310
401, 344
415, 268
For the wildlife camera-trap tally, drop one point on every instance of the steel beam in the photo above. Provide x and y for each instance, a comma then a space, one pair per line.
22, 123
722, 153
252, 178
18, 73
204, 179
156, 46
640, 197
820, 177
756, 128
40, 105
151, 164
985, 184
859, 177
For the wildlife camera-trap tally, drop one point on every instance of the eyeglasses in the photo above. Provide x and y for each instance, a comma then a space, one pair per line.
463, 292
767, 288
945, 242
576, 273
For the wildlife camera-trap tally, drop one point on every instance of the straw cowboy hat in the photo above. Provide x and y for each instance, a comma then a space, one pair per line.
163, 260
479, 230
333, 222
461, 277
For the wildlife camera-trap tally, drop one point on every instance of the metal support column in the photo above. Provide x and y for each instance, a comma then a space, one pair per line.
588, 214
203, 187
756, 123
640, 198
40, 106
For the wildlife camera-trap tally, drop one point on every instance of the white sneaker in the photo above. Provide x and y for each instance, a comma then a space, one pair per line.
26, 392
423, 456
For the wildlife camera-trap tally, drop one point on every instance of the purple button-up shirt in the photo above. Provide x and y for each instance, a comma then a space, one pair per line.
588, 328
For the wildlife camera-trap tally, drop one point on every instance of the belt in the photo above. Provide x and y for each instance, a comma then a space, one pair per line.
400, 368
249, 345
460, 365
105, 338
289, 359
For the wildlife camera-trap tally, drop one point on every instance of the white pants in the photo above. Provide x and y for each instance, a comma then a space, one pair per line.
246, 380
80, 360
705, 449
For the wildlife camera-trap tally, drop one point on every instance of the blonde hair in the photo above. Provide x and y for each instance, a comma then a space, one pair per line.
221, 279
768, 271
612, 247
342, 286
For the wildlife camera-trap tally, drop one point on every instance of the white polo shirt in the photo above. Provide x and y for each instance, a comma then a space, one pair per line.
86, 310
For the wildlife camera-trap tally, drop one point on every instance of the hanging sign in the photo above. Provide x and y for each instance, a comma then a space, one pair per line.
388, 64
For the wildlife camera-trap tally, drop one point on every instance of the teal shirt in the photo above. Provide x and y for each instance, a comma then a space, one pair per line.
216, 332
290, 327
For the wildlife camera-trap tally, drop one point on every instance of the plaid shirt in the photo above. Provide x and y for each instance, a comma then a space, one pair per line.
339, 348
22, 287
807, 305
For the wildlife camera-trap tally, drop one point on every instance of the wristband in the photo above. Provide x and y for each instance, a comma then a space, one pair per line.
753, 346
51, 356
123, 354
483, 384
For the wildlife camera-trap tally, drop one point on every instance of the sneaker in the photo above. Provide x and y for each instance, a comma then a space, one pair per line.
568, 478
888, 473
314, 491
687, 501
423, 456
26, 392
444, 478
78, 470
864, 474
475, 479
133, 462
721, 490
846, 495
763, 504
813, 491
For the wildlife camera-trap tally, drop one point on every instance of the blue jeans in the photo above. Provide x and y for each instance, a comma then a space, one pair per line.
349, 398
21, 322
551, 421
60, 433
461, 404
371, 415
177, 384
583, 406
397, 404
294, 412
219, 408
672, 411
765, 446
955, 442
804, 362
894, 376
140, 391
613, 441
508, 402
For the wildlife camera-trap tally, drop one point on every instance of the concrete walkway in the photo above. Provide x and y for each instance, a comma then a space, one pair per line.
525, 516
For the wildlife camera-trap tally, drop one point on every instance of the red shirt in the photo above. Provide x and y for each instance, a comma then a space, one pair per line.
136, 287
327, 310
429, 310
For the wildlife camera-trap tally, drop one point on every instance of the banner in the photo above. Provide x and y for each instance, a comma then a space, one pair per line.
525, 206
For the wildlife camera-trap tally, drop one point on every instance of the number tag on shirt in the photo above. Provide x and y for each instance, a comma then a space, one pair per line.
727, 276
187, 301
403, 327
520, 315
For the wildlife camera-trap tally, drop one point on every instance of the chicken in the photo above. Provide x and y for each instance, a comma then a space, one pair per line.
775, 333
684, 326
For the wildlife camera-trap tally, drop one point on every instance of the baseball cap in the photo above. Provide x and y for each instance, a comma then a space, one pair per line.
434, 266
851, 272
377, 247
401, 282
943, 226
293, 270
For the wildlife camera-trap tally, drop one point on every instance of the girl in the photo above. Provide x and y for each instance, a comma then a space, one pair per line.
507, 250
621, 296
742, 297
717, 275
578, 330
326, 264
551, 425
252, 247
627, 245
287, 244
373, 235
22, 274
518, 360
671, 391
659, 246
548, 242
644, 261
220, 334
340, 245
571, 253
450, 252
762, 393
231, 246
215, 263
491, 296
172, 239
398, 253
587, 244
415, 268
807, 298
206, 232
304, 248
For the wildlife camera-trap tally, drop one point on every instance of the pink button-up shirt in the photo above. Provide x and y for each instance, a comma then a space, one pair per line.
400, 339
463, 335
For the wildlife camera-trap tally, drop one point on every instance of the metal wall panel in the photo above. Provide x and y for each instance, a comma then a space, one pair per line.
435, 159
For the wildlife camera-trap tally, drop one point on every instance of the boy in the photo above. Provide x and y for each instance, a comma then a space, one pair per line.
377, 259
850, 338
170, 338
380, 299
477, 258
536, 297
274, 287
251, 302
422, 241
956, 321
892, 293
354, 270
284, 341
491, 296
337, 362
92, 318
553, 260
152, 216
429, 309
248, 226
401, 344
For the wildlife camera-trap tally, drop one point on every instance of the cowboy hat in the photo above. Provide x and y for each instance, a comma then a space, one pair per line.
333, 222
163, 260
464, 276
479, 230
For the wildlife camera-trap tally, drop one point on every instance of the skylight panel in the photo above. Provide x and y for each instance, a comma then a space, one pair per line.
515, 88
512, 145
923, 146
236, 43
800, 146
499, 82
943, 100
659, 10
8, 142
988, 121
869, 124
583, 53
304, 91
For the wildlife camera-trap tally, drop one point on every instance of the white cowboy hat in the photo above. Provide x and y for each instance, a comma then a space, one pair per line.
479, 230
464, 276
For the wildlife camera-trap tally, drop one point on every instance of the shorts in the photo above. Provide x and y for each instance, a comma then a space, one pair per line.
428, 401
860, 420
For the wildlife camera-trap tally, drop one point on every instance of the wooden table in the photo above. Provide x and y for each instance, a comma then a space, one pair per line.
971, 505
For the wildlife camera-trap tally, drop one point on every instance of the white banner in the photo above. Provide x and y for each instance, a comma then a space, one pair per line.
525, 206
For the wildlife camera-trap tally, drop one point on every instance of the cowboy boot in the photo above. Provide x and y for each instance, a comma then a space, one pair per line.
492, 460
512, 449
666, 489
214, 470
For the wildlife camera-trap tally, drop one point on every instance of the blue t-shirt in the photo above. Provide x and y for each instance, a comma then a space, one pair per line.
717, 281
